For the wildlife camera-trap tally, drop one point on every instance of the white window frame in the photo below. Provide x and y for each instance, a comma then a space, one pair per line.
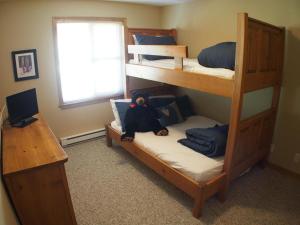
97, 99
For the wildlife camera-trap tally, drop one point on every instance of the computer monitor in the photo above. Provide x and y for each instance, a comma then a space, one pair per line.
21, 107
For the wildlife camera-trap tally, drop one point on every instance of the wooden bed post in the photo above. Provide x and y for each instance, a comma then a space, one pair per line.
127, 87
277, 88
237, 98
199, 203
108, 138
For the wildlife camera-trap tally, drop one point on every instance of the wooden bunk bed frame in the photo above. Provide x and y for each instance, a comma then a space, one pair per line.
259, 64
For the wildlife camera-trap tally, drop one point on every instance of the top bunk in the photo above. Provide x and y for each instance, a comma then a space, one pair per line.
258, 60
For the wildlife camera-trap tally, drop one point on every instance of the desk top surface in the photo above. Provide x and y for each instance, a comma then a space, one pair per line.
30, 147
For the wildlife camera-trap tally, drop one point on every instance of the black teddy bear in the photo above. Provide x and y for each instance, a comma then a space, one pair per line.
141, 117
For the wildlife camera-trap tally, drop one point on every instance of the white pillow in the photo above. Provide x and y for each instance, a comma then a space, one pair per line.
115, 110
134, 39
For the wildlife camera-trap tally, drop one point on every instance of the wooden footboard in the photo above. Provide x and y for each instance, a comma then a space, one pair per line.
198, 191
254, 141
259, 62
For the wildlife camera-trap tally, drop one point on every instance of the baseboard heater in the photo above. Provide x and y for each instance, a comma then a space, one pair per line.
65, 141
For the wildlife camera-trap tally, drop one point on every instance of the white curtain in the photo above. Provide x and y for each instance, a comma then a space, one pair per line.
91, 59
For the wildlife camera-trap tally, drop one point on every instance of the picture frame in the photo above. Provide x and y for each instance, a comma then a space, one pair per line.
25, 64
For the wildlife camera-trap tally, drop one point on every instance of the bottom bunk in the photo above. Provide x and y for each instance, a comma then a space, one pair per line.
197, 175
193, 164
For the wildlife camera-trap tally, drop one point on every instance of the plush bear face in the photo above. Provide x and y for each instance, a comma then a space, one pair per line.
140, 98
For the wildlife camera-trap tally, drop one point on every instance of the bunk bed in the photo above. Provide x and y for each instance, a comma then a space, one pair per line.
258, 65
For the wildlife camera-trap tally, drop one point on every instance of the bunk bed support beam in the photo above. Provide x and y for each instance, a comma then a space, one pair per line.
108, 137
199, 203
206, 83
178, 63
237, 96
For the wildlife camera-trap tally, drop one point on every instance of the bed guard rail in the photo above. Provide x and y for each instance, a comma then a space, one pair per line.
177, 51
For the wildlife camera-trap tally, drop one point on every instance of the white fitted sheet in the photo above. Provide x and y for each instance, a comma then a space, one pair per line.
195, 165
189, 65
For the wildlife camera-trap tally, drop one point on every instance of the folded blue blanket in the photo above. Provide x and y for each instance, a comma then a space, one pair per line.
207, 141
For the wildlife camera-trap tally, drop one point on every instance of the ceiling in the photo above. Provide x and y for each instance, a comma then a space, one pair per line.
154, 2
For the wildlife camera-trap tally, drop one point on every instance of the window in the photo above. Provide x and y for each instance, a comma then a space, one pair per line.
90, 57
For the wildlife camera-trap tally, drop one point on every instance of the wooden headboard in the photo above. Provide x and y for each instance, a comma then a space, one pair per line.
155, 87
149, 32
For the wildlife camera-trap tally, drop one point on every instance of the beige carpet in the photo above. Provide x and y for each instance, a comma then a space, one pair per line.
108, 186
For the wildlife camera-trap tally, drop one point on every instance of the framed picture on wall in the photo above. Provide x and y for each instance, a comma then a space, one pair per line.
25, 65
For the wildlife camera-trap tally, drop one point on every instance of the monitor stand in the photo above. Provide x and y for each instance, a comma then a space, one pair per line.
24, 122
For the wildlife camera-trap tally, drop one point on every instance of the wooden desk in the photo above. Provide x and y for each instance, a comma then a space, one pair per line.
34, 175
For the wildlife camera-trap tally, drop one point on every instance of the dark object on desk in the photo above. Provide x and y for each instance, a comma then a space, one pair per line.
21, 107
24, 122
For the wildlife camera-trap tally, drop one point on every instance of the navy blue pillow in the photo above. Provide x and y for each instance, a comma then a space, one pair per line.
185, 106
221, 55
122, 109
169, 115
160, 101
155, 40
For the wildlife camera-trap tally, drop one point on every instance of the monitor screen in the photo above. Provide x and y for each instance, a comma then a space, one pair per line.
22, 105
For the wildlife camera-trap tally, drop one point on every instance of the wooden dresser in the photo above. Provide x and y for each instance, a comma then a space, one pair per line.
34, 175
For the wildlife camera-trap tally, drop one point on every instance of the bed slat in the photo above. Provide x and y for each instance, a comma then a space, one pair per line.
162, 50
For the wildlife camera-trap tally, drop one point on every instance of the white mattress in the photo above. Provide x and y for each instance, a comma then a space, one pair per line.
194, 165
189, 65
